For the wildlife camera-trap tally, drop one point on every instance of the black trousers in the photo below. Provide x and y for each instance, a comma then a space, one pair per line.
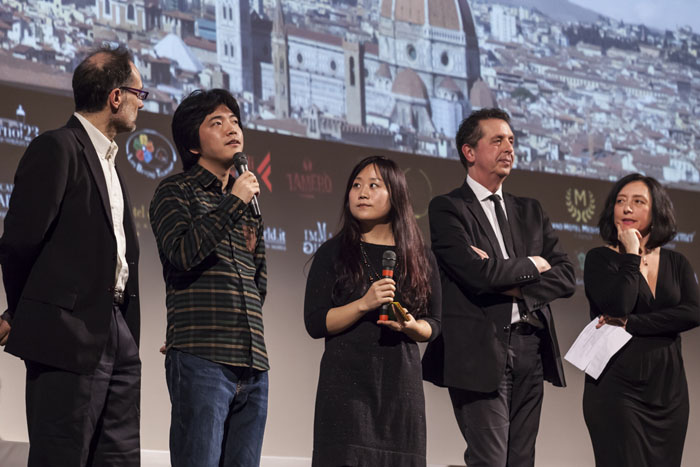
500, 427
77, 420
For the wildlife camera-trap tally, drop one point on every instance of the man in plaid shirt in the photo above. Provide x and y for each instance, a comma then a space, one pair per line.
213, 257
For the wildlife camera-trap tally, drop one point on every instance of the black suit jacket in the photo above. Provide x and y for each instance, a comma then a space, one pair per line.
471, 351
59, 254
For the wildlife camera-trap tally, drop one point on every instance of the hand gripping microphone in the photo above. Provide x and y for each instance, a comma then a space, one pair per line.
240, 161
388, 265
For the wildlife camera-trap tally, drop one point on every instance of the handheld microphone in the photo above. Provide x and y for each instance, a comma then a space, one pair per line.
240, 161
388, 265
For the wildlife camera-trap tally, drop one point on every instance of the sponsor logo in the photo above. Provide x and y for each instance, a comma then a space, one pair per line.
262, 169
16, 131
314, 238
151, 153
5, 193
308, 183
575, 228
580, 204
275, 239
684, 237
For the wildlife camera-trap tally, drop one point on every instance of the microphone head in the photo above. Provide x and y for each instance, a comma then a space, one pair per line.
389, 260
239, 160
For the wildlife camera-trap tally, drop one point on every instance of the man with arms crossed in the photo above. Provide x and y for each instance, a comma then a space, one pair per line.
501, 267
69, 257
213, 257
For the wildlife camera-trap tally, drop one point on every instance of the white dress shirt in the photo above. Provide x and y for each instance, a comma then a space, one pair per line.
482, 194
107, 152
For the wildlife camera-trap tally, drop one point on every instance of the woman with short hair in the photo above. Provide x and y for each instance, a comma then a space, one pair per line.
637, 410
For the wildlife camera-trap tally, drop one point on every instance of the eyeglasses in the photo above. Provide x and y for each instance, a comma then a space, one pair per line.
140, 93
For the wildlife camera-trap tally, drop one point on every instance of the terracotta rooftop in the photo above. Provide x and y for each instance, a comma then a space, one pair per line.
179, 15
17, 71
480, 95
448, 84
199, 43
371, 48
408, 83
441, 13
383, 71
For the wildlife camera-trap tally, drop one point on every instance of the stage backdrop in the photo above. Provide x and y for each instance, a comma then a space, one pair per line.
302, 181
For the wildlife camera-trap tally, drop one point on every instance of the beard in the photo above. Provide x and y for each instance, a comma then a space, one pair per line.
123, 121
125, 126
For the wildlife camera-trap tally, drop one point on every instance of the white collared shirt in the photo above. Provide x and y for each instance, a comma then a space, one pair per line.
482, 194
107, 152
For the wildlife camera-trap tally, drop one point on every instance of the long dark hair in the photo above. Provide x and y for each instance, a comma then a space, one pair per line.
413, 268
663, 220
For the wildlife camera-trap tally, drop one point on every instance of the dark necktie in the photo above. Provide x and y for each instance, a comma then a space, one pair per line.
525, 316
503, 225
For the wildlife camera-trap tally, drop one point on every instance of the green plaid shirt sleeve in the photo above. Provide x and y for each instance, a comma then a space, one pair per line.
213, 256
260, 265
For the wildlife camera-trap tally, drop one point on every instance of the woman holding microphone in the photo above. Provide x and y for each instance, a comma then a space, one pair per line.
370, 408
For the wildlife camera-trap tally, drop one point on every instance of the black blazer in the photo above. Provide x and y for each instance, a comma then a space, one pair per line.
59, 254
471, 352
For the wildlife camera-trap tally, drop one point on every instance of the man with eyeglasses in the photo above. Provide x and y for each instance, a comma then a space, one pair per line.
139, 93
69, 257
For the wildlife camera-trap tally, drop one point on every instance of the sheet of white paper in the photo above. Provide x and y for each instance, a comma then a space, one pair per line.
593, 348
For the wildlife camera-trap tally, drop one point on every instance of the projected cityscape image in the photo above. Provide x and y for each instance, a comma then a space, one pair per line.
590, 96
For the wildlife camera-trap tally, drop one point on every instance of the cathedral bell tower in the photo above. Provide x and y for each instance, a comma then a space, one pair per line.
280, 63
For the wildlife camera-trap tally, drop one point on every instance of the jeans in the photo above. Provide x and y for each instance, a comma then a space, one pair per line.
218, 412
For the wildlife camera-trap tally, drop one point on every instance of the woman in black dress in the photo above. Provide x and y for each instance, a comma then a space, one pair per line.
370, 409
637, 410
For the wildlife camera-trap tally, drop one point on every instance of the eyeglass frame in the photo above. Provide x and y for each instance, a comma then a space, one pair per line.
140, 93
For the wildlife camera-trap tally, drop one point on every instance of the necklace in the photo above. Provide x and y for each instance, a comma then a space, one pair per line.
644, 254
373, 274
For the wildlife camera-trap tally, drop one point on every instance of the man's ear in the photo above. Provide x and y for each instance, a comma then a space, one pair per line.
194, 151
115, 99
468, 153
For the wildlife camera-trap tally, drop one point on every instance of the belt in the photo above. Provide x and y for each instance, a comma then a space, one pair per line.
118, 297
522, 328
